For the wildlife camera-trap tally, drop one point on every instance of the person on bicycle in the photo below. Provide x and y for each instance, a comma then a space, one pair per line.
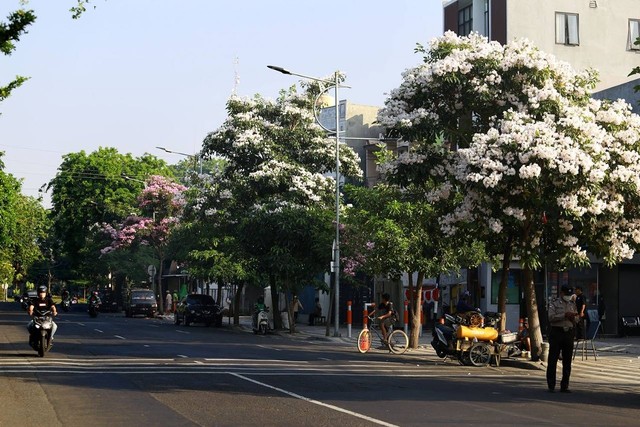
388, 316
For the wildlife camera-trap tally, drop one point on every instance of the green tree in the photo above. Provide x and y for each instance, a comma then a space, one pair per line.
10, 33
100, 187
392, 230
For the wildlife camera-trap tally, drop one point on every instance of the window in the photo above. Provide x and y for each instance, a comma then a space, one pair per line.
567, 29
486, 18
634, 33
465, 20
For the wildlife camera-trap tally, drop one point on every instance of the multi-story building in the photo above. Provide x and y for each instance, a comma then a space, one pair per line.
595, 34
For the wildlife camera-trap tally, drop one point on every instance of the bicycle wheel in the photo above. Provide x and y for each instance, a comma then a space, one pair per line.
364, 341
398, 342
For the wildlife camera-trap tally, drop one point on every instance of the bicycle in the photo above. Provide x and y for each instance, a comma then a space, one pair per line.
397, 341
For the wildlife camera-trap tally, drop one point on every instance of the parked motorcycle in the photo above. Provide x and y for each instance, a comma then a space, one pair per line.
261, 322
40, 332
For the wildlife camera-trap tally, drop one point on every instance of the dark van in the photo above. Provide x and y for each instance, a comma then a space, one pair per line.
140, 301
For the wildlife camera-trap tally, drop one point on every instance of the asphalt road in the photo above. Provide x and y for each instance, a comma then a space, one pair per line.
117, 371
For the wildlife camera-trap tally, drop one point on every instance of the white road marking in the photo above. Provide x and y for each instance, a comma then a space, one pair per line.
81, 324
154, 326
268, 348
98, 330
182, 332
119, 337
183, 356
324, 358
315, 402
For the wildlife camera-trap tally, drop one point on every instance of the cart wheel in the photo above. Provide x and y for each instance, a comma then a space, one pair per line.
475, 320
464, 358
480, 354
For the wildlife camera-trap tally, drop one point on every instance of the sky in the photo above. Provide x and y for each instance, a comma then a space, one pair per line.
138, 74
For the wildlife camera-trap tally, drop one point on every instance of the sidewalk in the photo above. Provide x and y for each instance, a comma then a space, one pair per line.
610, 345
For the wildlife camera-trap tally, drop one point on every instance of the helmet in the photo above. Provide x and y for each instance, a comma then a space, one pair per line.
95, 293
42, 288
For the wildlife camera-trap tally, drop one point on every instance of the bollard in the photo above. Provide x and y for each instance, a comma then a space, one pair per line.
365, 316
406, 316
349, 319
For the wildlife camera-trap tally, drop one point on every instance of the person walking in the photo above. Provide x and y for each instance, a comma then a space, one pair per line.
563, 318
317, 312
296, 305
168, 302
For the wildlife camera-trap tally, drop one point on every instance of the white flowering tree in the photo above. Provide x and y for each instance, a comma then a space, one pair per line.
161, 204
276, 193
540, 171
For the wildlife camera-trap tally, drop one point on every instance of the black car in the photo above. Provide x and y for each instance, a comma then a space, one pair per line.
140, 301
198, 309
109, 302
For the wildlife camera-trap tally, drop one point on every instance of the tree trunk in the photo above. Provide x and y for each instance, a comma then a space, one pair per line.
504, 280
161, 302
275, 302
236, 304
415, 302
532, 311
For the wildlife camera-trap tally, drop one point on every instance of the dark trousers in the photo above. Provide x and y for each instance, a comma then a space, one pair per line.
560, 341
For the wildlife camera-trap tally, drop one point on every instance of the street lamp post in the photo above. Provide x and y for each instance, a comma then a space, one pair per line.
184, 154
336, 247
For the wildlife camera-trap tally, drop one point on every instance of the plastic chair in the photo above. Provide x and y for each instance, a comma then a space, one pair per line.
589, 337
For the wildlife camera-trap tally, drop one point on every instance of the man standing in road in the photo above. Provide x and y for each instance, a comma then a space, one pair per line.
563, 317
582, 316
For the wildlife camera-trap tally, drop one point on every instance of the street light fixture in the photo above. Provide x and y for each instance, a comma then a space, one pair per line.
335, 83
184, 154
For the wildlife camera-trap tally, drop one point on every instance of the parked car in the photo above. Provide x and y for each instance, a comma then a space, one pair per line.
197, 308
140, 301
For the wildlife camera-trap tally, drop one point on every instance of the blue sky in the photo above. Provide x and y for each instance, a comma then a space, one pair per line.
136, 74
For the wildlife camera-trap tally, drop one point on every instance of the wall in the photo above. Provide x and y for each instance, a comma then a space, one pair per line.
603, 34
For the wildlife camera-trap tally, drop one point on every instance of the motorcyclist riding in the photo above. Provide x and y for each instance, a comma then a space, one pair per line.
94, 298
257, 308
41, 303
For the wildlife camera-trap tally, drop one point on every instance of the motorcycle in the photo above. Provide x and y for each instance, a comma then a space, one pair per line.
66, 304
261, 322
40, 332
94, 308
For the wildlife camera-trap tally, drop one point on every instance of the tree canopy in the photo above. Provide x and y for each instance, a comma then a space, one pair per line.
533, 162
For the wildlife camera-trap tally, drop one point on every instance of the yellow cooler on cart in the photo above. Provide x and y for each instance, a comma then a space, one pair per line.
481, 334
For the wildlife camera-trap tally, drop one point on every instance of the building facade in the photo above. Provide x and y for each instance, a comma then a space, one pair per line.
596, 34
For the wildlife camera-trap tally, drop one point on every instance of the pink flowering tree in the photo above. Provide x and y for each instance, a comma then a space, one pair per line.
161, 204
535, 168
